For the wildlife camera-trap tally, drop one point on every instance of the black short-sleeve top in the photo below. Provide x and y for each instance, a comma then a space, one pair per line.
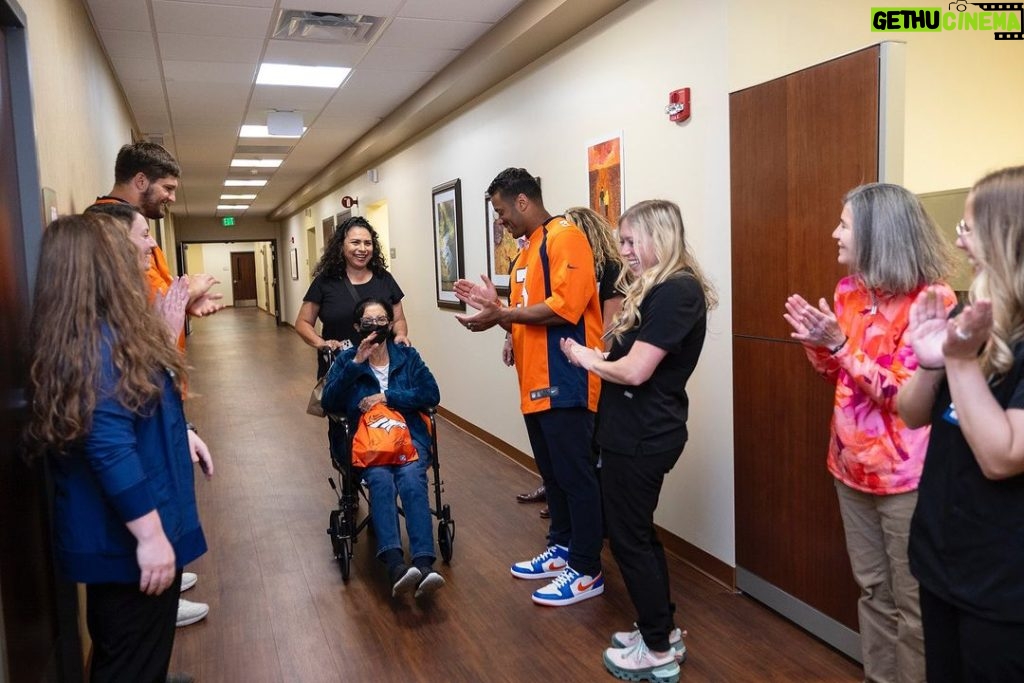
651, 417
336, 304
967, 533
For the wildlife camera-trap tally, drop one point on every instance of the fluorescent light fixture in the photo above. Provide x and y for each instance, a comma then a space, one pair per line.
256, 163
251, 131
307, 76
238, 196
244, 183
232, 207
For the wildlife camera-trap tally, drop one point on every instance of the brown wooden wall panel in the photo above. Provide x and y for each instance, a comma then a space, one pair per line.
788, 529
757, 120
798, 144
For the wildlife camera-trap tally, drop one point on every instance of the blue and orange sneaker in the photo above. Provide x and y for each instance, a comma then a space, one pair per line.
569, 588
548, 564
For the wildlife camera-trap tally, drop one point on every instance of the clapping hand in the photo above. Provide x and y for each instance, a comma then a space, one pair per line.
926, 329
171, 305
814, 326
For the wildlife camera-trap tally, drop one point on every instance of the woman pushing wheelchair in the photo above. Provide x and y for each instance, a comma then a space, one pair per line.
382, 387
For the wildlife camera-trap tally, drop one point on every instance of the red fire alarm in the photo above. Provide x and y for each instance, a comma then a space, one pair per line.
678, 108
348, 202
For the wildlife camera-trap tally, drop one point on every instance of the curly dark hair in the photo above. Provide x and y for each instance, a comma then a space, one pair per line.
332, 263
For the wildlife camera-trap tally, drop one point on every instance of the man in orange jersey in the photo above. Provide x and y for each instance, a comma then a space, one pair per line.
553, 296
146, 176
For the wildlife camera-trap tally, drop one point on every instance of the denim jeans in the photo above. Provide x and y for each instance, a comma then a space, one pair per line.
409, 482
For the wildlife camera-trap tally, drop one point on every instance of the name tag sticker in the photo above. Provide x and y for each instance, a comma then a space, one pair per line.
950, 415
520, 274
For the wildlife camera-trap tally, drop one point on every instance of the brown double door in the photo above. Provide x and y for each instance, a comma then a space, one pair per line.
798, 144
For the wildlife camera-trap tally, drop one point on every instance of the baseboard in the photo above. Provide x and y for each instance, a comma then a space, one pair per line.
700, 560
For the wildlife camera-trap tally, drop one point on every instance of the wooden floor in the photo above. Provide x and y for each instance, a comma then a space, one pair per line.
279, 610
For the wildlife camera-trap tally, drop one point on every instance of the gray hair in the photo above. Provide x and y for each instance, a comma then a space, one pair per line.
897, 246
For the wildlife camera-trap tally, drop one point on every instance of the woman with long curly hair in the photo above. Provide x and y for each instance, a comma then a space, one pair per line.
106, 408
966, 539
657, 339
352, 268
607, 260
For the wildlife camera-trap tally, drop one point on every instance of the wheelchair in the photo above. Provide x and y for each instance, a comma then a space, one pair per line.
345, 523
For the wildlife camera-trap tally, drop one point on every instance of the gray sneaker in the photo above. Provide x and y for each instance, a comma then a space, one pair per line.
429, 584
404, 579
622, 639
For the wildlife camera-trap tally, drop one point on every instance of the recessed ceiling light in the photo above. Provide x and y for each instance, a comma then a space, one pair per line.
232, 207
307, 76
238, 196
256, 163
244, 183
251, 131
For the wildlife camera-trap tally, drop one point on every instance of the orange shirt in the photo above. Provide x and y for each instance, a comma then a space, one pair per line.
555, 267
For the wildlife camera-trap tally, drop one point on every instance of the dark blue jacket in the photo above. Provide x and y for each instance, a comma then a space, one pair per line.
128, 465
411, 388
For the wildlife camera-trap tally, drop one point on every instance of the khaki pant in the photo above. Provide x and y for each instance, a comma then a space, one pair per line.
877, 529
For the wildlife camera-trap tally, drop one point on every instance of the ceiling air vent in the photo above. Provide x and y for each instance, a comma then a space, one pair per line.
327, 27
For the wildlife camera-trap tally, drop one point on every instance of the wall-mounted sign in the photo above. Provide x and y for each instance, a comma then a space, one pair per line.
348, 202
228, 221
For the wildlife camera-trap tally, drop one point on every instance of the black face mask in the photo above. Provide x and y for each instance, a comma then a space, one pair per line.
382, 331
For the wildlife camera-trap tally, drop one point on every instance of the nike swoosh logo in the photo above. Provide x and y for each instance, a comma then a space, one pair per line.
554, 565
581, 586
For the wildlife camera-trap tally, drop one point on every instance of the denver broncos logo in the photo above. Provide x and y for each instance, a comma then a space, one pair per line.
386, 423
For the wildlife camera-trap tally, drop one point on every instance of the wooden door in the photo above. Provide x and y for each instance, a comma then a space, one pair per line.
243, 278
798, 144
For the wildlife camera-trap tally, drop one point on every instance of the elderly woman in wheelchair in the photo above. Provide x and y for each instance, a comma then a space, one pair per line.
382, 387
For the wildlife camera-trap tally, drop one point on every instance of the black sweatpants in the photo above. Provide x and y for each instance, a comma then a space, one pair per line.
959, 646
631, 486
132, 633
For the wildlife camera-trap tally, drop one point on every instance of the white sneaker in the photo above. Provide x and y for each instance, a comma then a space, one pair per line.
621, 639
637, 663
188, 579
190, 612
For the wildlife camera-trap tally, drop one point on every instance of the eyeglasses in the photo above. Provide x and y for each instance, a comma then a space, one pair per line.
962, 229
379, 320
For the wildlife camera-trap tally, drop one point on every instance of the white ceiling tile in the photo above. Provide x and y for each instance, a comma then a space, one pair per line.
377, 8
312, 54
209, 72
117, 14
407, 59
136, 69
289, 98
432, 33
375, 93
143, 90
129, 44
269, 4
490, 11
207, 103
186, 47
211, 20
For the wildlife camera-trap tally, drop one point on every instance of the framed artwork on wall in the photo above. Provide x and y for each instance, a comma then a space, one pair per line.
605, 177
448, 256
294, 261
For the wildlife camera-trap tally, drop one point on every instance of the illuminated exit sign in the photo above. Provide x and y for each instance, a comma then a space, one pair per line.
228, 221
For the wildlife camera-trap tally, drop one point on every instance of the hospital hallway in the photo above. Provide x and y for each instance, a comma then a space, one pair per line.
279, 610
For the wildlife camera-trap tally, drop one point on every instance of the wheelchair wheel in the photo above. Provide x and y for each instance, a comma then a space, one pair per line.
445, 536
341, 543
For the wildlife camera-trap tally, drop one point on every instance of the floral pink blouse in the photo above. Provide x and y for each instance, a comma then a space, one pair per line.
871, 449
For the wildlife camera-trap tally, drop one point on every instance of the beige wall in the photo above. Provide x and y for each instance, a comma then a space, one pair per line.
964, 96
80, 116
